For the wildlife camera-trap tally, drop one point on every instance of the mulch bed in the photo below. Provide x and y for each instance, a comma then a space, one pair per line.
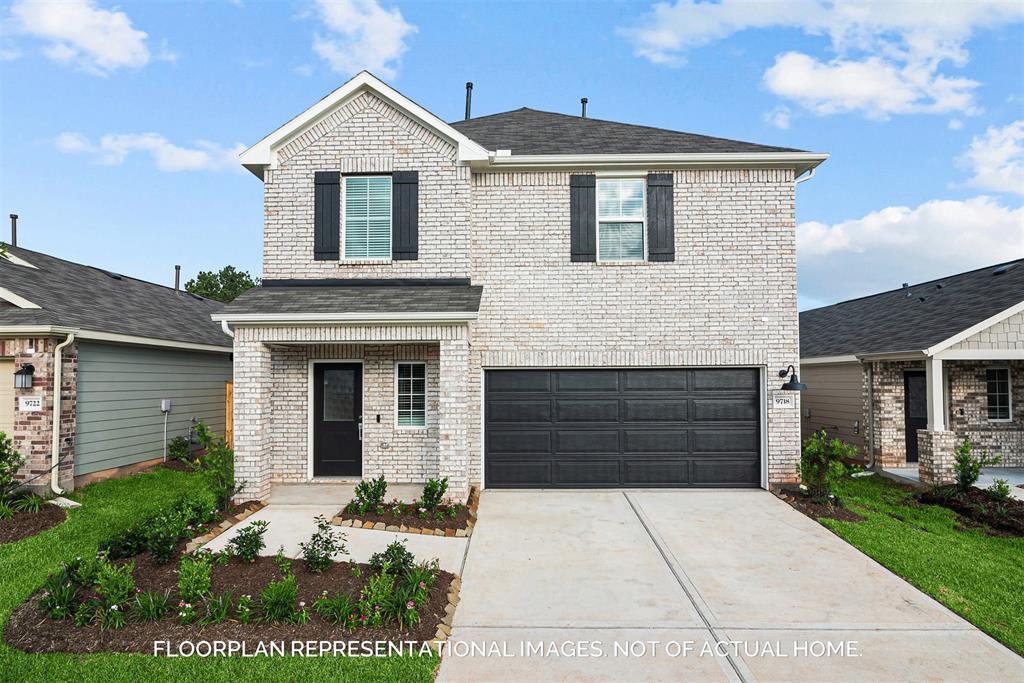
460, 521
816, 511
977, 506
30, 630
177, 466
25, 524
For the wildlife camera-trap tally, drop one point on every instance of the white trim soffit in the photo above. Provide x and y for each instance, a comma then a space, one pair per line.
114, 338
12, 298
346, 318
799, 161
825, 360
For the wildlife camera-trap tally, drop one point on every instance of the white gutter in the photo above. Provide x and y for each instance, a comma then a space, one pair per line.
58, 357
90, 335
804, 179
344, 318
803, 161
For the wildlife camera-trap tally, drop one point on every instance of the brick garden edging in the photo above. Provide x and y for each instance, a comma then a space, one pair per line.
226, 524
444, 629
472, 504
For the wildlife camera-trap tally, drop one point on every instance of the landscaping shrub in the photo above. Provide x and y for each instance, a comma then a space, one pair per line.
248, 542
433, 493
341, 610
6, 511
821, 466
60, 595
277, 601
218, 465
395, 559
216, 609
151, 605
369, 496
179, 448
128, 543
420, 579
243, 610
29, 503
115, 587
999, 490
967, 466
194, 577
162, 537
317, 554
10, 462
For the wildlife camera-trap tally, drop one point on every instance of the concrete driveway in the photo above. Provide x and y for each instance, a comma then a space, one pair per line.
695, 586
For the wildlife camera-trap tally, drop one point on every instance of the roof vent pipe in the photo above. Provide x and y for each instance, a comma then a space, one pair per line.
583, 101
14, 229
177, 279
469, 98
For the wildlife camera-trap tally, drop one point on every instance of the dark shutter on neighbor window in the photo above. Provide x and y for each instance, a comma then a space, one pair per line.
326, 215
660, 219
405, 215
583, 217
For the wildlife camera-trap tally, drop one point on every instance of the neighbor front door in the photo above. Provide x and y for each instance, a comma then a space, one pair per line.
915, 409
337, 419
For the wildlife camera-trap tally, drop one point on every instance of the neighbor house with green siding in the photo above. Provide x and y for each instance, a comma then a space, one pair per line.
138, 363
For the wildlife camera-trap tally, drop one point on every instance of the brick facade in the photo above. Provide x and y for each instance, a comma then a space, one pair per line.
33, 430
729, 298
936, 452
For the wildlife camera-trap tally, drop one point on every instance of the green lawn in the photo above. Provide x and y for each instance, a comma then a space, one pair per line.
977, 576
115, 504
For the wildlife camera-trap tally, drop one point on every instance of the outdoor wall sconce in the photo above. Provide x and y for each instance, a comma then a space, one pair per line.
794, 383
23, 377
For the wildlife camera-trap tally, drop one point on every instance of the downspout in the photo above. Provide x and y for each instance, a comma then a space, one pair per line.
226, 329
58, 357
804, 179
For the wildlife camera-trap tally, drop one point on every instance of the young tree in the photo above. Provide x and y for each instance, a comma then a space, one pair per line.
224, 286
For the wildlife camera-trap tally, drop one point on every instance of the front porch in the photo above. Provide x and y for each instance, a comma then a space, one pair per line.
1014, 476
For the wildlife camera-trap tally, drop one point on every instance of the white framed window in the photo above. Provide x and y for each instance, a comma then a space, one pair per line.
621, 218
366, 218
999, 394
411, 394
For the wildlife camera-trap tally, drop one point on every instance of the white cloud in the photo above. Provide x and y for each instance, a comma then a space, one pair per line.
80, 34
114, 149
166, 54
304, 70
955, 124
779, 116
888, 54
360, 34
997, 159
901, 244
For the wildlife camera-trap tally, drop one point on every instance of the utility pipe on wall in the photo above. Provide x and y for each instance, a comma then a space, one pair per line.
58, 357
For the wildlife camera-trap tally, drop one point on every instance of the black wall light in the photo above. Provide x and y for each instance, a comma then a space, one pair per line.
23, 377
793, 384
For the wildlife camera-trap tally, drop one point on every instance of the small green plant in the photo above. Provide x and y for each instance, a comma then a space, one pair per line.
401, 606
277, 601
84, 571
396, 558
216, 609
128, 543
283, 564
187, 613
243, 610
29, 503
375, 596
115, 587
355, 569
339, 610
369, 494
999, 490
419, 580
162, 540
194, 577
433, 493
178, 448
10, 462
319, 552
6, 511
151, 605
967, 466
218, 466
821, 466
248, 542
60, 595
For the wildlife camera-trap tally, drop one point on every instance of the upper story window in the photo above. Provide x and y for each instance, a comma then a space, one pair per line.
998, 390
366, 217
620, 219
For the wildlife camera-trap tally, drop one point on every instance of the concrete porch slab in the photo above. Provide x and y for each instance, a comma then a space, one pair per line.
329, 492
1014, 476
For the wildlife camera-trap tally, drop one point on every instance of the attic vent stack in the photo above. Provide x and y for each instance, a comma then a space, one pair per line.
583, 101
177, 279
14, 229
469, 98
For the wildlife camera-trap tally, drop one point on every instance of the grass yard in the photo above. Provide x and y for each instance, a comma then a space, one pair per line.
113, 505
976, 575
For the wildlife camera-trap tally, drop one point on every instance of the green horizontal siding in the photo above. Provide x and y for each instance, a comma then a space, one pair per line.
119, 392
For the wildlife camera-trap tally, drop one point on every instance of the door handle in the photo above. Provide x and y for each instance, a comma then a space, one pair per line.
360, 431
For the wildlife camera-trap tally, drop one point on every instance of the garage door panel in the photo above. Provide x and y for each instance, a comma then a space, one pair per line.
587, 472
717, 379
655, 410
520, 472
660, 441
587, 441
721, 472
516, 442
519, 381
725, 409
725, 441
587, 380
538, 410
655, 380
587, 410
656, 472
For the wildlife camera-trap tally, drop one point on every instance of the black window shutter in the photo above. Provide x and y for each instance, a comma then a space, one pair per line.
326, 215
661, 239
583, 217
405, 215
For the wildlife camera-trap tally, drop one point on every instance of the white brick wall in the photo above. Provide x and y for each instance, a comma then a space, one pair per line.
729, 298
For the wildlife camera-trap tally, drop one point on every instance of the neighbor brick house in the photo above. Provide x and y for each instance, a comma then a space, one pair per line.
525, 299
909, 373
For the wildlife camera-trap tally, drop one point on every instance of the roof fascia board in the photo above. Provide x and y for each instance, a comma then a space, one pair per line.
974, 329
12, 298
827, 360
346, 318
92, 335
892, 355
981, 354
263, 155
799, 161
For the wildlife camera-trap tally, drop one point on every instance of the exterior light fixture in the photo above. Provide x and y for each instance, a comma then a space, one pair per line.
23, 377
793, 384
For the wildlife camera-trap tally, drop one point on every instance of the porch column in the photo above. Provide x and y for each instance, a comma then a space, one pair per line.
253, 378
453, 417
935, 445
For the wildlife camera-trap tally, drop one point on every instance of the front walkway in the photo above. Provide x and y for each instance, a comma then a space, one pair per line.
1014, 476
687, 569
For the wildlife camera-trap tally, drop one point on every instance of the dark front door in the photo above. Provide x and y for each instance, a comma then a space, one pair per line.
629, 427
337, 419
915, 409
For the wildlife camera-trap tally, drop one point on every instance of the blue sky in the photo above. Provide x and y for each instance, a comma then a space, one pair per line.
119, 123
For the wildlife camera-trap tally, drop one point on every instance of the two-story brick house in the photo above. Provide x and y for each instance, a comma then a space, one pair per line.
525, 299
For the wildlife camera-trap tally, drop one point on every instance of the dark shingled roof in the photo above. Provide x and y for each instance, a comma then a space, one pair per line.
419, 298
72, 295
528, 131
899, 320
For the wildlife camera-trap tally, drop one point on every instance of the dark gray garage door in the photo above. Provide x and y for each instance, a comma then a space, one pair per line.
606, 428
